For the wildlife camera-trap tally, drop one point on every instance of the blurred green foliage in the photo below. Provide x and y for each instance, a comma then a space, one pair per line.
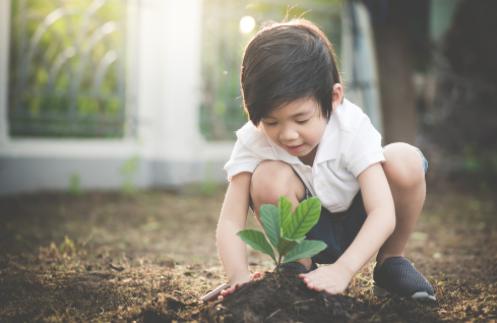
67, 63
75, 184
67, 248
66, 68
128, 171
221, 111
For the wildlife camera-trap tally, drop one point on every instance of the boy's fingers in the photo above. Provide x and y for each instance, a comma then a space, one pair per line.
221, 292
229, 290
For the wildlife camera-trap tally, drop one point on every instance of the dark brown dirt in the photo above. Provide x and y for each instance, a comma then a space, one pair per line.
282, 297
147, 257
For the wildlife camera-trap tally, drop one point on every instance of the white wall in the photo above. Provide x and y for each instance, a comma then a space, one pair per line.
163, 94
4, 57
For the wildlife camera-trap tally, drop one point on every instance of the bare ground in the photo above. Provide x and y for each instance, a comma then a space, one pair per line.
148, 257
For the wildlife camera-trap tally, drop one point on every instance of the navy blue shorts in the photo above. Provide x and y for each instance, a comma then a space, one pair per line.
337, 230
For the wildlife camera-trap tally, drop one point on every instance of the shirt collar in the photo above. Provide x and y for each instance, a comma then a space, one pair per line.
252, 136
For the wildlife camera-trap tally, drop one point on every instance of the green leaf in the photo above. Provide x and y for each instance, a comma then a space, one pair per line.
285, 207
285, 245
305, 249
257, 240
306, 215
270, 218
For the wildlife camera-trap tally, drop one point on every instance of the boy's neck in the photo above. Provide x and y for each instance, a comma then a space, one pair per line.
309, 158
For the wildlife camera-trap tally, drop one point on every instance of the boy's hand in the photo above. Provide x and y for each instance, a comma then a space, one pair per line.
236, 284
332, 279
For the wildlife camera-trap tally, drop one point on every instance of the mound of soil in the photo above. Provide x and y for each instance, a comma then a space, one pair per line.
282, 297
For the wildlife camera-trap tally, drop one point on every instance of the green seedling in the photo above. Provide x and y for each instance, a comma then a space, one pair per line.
285, 231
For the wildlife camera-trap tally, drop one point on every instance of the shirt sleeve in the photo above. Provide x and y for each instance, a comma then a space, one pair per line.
365, 148
242, 160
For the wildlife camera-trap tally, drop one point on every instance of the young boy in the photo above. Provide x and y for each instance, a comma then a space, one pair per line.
303, 139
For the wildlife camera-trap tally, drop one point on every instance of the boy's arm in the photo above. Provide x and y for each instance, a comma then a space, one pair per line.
231, 248
379, 225
380, 220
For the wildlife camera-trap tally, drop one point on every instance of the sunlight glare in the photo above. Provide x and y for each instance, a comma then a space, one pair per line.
247, 24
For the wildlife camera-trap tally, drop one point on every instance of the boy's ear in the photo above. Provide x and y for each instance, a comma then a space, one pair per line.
337, 95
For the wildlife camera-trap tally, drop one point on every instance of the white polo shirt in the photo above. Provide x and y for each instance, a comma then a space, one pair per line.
349, 145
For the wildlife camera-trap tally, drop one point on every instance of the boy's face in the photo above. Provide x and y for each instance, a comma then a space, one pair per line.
297, 127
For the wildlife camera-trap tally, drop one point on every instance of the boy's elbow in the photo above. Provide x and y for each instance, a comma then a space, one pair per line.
225, 229
389, 216
385, 218
219, 234
390, 222
220, 242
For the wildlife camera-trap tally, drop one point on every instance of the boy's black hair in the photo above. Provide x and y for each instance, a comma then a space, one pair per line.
284, 62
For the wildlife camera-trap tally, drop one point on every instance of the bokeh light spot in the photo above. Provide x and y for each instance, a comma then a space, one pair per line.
247, 24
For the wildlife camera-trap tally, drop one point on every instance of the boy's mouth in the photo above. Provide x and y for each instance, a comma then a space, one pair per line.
294, 149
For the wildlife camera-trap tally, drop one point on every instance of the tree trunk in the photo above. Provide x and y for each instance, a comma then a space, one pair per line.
395, 68
400, 31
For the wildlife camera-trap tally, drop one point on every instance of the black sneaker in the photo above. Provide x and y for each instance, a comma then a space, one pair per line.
398, 276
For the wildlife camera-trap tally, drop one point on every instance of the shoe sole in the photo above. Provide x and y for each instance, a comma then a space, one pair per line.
418, 296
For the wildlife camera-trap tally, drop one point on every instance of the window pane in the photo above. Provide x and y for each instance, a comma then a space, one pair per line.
67, 68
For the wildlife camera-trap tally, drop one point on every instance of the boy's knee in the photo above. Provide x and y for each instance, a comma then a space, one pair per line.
404, 165
272, 179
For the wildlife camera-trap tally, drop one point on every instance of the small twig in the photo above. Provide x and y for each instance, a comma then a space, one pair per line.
273, 314
116, 268
303, 301
214, 293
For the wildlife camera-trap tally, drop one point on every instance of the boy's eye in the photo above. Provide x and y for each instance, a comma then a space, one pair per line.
302, 121
270, 123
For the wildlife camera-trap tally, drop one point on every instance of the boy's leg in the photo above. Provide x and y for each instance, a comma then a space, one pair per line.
272, 179
406, 175
405, 169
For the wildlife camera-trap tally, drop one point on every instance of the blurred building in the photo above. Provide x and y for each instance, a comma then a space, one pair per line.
154, 140
113, 94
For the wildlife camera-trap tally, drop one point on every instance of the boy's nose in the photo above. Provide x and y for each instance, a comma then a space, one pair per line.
288, 134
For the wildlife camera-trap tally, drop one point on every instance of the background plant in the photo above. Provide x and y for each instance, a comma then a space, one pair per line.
75, 184
128, 171
67, 68
284, 239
